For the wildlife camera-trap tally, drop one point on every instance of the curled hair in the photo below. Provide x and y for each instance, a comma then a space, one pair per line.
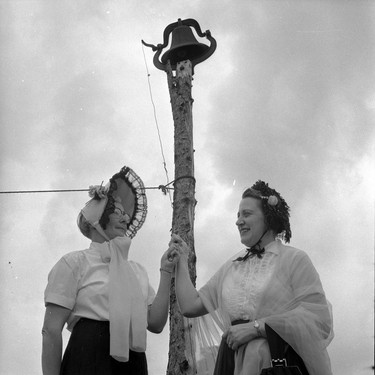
109, 209
110, 206
276, 216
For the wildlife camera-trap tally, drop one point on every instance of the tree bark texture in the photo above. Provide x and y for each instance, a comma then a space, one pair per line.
181, 347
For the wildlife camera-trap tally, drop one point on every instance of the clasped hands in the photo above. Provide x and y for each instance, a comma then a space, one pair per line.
177, 250
240, 334
236, 335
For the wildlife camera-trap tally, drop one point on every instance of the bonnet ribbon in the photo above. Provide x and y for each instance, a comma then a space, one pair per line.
127, 306
253, 250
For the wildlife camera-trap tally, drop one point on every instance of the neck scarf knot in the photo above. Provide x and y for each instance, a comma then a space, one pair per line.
254, 250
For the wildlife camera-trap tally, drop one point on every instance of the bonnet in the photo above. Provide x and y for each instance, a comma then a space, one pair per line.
124, 187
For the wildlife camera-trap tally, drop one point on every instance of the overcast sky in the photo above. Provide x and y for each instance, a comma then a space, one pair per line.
288, 97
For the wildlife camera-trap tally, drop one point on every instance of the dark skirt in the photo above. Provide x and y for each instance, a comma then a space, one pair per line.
225, 364
87, 353
225, 358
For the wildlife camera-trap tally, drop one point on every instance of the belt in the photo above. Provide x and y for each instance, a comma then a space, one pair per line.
240, 321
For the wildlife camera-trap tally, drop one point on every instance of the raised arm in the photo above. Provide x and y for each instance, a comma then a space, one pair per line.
188, 298
54, 320
158, 311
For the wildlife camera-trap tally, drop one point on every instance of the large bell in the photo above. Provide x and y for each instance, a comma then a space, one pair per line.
184, 46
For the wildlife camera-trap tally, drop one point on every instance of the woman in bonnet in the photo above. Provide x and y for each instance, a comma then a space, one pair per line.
104, 298
267, 287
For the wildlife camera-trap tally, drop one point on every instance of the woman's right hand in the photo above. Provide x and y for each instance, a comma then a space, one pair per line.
178, 248
189, 301
169, 259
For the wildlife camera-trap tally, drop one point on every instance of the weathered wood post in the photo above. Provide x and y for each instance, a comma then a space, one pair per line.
184, 54
181, 352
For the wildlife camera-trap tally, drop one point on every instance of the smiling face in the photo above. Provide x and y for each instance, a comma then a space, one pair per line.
118, 222
250, 221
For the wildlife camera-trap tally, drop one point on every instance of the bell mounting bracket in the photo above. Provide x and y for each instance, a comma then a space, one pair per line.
168, 30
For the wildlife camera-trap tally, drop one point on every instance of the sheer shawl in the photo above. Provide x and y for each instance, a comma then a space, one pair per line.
293, 304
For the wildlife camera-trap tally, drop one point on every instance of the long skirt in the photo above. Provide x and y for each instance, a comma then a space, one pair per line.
225, 363
225, 358
87, 353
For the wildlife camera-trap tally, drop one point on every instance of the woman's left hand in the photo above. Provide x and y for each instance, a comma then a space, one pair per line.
240, 334
170, 258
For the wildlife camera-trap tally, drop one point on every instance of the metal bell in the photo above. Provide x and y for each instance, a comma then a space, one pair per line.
184, 46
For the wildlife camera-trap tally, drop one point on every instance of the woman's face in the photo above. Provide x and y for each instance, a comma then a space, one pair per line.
118, 222
250, 221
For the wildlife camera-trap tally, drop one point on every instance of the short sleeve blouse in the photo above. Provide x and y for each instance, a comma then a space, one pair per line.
79, 282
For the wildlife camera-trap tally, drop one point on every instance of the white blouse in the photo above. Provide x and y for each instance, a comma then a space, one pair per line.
291, 301
79, 282
244, 282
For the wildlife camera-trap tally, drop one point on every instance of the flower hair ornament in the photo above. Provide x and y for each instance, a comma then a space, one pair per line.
124, 187
98, 191
276, 210
271, 200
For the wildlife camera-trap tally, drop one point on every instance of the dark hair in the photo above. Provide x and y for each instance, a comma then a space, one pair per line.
110, 206
276, 216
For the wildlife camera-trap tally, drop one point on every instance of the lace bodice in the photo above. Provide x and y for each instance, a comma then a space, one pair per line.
244, 283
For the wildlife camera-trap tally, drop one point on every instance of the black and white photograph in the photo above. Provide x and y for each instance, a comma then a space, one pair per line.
184, 184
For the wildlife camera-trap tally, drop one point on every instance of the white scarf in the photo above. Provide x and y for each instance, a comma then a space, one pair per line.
127, 306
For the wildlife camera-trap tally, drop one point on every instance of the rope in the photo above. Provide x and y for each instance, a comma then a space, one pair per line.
40, 191
156, 120
163, 188
160, 187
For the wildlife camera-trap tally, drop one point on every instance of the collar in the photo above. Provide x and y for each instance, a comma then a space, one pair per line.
103, 250
273, 247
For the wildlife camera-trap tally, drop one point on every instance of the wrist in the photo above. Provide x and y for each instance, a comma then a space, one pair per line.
184, 261
164, 270
258, 325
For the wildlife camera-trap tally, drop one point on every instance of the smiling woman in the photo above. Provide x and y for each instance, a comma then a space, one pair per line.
118, 222
267, 287
105, 299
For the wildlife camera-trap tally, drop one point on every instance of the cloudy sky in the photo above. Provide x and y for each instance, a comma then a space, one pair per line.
288, 97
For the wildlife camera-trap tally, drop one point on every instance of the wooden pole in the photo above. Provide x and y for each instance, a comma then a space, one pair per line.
181, 359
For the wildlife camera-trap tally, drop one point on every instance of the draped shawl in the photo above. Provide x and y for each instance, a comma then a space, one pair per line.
293, 304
